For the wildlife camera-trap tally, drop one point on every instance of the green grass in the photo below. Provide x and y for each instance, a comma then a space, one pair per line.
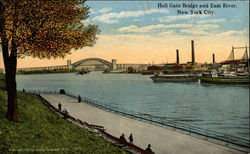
40, 128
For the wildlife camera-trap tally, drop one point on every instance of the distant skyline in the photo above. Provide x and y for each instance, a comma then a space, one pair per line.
140, 32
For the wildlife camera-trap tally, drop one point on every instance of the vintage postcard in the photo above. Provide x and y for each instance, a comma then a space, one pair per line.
163, 77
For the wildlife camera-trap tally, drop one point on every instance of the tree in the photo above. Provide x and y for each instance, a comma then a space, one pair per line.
43, 29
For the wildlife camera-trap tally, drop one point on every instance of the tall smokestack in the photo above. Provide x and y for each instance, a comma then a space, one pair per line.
213, 59
192, 49
177, 57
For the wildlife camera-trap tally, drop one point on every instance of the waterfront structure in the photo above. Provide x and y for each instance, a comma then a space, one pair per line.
69, 64
94, 64
177, 57
114, 66
98, 64
192, 52
213, 58
43, 68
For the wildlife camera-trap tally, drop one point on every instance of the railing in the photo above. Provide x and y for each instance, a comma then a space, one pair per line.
224, 139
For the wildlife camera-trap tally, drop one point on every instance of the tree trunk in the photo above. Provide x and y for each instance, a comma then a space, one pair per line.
10, 63
10, 69
12, 112
10, 78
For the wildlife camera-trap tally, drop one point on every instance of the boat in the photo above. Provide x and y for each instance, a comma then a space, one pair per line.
83, 71
174, 78
225, 79
230, 73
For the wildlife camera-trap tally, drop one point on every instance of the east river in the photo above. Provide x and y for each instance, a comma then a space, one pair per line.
220, 108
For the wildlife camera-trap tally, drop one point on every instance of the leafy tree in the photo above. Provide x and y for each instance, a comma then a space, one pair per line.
43, 29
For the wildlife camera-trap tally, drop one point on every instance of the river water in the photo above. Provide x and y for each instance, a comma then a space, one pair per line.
220, 108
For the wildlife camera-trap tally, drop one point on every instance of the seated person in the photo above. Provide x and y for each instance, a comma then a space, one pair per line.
65, 113
122, 139
148, 149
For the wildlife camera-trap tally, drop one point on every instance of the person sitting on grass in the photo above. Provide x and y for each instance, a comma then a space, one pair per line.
131, 138
65, 114
122, 139
148, 149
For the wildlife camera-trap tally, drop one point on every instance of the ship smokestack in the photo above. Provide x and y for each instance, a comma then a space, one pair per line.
177, 57
213, 59
192, 49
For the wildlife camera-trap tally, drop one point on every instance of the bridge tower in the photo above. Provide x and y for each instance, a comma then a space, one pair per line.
114, 65
69, 64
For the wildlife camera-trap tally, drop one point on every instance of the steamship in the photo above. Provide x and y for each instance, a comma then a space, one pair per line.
226, 80
174, 78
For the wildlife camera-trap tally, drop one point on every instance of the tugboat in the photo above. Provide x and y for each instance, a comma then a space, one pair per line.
174, 78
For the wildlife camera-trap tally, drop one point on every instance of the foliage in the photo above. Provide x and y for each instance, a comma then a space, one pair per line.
46, 29
41, 128
43, 29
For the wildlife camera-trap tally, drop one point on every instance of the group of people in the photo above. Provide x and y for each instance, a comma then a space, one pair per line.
131, 140
123, 139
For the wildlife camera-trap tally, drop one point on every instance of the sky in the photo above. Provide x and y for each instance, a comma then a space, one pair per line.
139, 32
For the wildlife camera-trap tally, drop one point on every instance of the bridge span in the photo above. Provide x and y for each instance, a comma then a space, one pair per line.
89, 63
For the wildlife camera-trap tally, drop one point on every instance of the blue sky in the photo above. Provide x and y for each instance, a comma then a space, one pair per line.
126, 17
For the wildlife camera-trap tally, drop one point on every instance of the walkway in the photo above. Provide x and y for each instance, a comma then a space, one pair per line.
162, 140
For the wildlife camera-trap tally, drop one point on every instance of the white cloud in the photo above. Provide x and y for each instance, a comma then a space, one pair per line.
211, 21
168, 33
150, 28
200, 29
234, 33
181, 17
113, 17
105, 10
162, 29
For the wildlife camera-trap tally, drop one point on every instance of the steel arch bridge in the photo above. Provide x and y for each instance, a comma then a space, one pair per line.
105, 62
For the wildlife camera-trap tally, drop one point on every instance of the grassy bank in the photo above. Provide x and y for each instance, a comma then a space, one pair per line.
40, 128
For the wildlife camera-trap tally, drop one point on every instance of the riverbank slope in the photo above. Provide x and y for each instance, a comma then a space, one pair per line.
40, 129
